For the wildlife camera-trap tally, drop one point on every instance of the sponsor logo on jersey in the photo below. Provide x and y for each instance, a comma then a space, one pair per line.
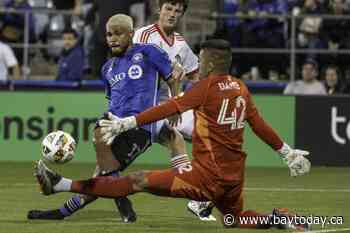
178, 59
138, 57
135, 72
228, 85
116, 78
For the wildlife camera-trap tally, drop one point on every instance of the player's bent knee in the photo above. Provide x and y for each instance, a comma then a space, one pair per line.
97, 137
177, 144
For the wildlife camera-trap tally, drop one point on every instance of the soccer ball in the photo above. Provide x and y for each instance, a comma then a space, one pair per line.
58, 147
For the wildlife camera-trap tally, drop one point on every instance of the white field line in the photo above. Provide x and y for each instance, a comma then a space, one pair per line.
246, 189
297, 190
327, 230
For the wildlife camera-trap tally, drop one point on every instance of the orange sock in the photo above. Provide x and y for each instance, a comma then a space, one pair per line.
104, 186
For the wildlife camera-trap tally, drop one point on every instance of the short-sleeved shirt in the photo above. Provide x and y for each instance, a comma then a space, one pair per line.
132, 80
303, 88
7, 60
178, 49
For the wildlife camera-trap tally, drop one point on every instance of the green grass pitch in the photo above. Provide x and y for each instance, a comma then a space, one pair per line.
325, 192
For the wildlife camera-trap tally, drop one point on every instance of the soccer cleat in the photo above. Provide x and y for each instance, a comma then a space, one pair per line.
202, 210
46, 178
288, 221
45, 214
126, 211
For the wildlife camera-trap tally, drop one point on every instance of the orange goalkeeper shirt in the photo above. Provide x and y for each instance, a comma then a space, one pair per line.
222, 105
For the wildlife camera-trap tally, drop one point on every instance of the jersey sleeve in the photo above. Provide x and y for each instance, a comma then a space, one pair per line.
105, 81
190, 62
289, 90
10, 58
259, 126
160, 60
137, 36
190, 100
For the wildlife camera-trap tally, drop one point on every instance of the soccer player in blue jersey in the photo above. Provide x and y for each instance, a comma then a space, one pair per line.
131, 78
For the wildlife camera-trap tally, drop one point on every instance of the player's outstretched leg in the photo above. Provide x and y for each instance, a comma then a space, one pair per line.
71, 206
282, 219
174, 140
51, 182
75, 203
202, 210
78, 202
46, 178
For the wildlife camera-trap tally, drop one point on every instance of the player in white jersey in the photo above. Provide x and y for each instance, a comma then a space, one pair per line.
175, 45
162, 33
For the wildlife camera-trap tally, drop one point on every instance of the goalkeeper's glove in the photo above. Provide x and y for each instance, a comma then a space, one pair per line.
114, 126
295, 159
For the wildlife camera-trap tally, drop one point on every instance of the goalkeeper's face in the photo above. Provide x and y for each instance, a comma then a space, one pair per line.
119, 38
205, 66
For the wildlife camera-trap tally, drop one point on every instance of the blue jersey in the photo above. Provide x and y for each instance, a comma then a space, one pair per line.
132, 80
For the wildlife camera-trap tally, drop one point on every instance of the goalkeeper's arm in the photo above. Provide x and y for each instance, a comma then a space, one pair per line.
294, 158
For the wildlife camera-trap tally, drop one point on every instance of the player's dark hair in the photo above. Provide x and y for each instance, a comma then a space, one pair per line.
70, 30
220, 53
173, 2
216, 44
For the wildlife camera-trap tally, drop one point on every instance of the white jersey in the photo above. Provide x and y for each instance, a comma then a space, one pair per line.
178, 50
7, 60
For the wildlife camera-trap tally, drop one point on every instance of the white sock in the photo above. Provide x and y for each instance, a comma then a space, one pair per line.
179, 160
63, 185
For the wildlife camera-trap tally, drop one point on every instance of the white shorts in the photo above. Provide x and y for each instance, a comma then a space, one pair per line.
185, 127
187, 124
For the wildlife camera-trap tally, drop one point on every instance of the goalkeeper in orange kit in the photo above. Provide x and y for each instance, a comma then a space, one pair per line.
222, 105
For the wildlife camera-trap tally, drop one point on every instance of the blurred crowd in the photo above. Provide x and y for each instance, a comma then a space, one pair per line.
71, 36
249, 29
76, 34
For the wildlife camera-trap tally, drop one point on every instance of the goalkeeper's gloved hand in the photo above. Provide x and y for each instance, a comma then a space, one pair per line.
114, 126
295, 159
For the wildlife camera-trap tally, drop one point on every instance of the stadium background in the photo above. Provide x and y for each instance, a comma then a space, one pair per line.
32, 107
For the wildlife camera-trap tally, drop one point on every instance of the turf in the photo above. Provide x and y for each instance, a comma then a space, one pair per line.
325, 192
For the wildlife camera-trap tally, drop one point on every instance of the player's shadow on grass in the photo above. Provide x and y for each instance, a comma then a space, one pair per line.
146, 220
107, 215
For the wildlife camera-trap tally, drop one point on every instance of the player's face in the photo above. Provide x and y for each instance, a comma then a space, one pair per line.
69, 41
170, 15
119, 38
205, 66
309, 72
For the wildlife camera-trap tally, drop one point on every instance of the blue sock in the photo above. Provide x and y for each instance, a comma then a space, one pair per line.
76, 202
115, 174
71, 206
